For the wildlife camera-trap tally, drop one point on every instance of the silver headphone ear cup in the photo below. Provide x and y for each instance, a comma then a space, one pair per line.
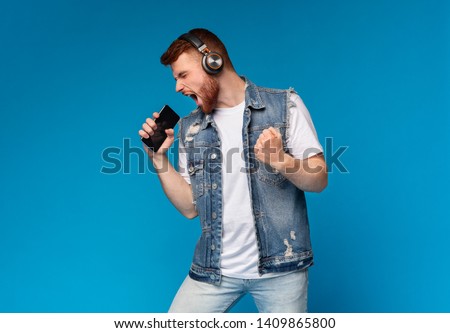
212, 63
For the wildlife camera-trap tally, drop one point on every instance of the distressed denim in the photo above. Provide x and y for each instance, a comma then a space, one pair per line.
283, 294
279, 207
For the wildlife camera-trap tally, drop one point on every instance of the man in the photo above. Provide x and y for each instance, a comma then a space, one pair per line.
247, 154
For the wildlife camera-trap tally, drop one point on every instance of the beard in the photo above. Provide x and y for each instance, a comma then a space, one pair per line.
209, 94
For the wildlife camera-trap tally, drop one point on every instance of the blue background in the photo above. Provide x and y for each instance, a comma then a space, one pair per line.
77, 77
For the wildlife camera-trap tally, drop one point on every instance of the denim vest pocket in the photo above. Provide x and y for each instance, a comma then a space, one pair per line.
196, 174
269, 175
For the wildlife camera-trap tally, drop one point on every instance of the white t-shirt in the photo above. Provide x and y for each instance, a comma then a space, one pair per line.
239, 258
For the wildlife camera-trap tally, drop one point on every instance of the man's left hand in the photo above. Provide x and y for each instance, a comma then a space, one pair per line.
269, 147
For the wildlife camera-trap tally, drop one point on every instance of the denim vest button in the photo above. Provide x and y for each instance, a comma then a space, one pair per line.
214, 186
191, 168
214, 215
213, 156
212, 276
213, 247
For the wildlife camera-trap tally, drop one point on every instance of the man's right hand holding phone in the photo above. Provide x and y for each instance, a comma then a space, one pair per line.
149, 129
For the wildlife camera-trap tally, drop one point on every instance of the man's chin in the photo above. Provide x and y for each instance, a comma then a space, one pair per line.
207, 108
209, 93
206, 111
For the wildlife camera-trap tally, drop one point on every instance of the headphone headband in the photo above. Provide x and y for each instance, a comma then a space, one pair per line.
194, 40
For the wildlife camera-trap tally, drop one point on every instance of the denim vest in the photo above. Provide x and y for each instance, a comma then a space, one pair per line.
279, 207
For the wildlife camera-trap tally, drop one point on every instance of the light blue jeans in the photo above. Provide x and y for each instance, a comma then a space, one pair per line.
282, 294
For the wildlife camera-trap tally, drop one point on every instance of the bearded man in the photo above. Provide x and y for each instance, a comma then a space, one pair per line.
247, 154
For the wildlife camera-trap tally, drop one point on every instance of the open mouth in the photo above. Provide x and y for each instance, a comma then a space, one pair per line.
194, 97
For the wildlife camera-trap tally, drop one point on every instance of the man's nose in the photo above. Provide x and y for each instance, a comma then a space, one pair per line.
179, 87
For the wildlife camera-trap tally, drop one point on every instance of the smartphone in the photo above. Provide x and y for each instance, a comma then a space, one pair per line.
167, 119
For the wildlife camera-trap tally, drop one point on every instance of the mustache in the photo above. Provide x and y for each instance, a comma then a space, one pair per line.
193, 92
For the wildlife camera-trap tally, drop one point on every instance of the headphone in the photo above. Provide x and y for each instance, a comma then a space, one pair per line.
212, 62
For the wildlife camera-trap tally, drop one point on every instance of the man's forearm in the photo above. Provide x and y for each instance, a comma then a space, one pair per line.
175, 187
309, 175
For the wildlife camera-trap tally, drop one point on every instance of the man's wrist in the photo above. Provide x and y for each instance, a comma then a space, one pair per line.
282, 163
159, 160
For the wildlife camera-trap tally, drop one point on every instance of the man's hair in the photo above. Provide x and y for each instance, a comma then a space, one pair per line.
180, 46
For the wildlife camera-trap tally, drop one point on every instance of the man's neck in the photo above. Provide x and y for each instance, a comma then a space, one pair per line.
232, 90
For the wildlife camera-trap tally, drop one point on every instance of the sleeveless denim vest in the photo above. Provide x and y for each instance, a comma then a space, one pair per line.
279, 207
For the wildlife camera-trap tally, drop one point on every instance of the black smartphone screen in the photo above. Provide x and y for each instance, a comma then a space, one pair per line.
167, 119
